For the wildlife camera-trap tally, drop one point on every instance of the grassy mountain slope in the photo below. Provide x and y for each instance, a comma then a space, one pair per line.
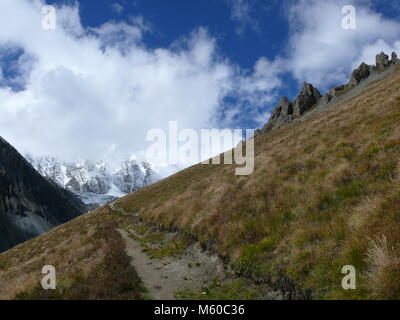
324, 194
90, 260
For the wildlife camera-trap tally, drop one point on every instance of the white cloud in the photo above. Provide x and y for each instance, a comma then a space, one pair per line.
94, 94
324, 53
241, 12
265, 77
140, 22
120, 35
250, 90
117, 7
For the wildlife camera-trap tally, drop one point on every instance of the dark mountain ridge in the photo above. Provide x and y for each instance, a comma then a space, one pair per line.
29, 203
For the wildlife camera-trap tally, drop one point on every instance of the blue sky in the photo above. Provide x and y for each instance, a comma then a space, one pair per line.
265, 34
112, 70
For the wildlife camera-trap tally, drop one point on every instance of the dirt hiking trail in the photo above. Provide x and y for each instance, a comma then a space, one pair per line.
168, 263
190, 268
163, 277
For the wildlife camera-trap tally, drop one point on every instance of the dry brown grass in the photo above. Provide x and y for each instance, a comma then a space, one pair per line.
321, 190
89, 257
383, 267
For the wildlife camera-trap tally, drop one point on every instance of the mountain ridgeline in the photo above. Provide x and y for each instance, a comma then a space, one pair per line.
29, 204
93, 181
311, 99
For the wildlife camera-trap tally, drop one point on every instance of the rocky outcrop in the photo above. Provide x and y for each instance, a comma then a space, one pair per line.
394, 60
361, 73
282, 114
286, 111
337, 90
364, 70
327, 97
382, 61
309, 97
29, 203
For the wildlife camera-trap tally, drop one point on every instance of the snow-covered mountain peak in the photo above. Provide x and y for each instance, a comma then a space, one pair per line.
94, 180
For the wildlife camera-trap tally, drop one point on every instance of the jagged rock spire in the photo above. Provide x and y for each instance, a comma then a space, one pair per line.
285, 107
282, 114
308, 97
394, 59
362, 72
286, 111
382, 61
